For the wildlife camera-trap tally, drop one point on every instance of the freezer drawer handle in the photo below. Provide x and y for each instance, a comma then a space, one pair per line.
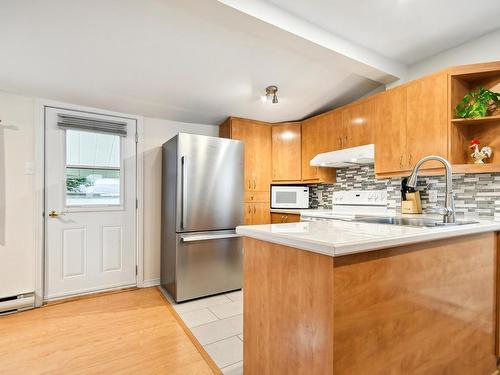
208, 237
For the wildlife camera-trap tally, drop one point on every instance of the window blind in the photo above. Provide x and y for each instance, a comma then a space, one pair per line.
73, 122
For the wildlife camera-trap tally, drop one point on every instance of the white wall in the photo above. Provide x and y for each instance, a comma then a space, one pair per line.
17, 195
17, 191
156, 132
482, 49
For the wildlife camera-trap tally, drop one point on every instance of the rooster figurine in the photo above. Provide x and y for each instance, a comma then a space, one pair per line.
479, 154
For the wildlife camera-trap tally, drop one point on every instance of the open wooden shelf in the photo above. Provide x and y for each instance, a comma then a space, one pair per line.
476, 168
476, 121
463, 130
456, 169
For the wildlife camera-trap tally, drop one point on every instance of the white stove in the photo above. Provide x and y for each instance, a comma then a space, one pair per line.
351, 204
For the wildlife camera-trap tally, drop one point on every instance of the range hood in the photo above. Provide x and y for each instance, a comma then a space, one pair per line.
347, 157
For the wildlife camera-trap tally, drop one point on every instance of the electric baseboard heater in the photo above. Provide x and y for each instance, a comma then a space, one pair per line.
9, 305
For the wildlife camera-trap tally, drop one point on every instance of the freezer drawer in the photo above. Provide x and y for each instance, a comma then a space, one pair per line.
207, 263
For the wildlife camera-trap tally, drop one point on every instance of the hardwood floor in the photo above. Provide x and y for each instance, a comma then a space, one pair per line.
133, 332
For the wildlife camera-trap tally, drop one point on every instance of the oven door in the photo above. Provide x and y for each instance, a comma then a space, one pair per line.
289, 197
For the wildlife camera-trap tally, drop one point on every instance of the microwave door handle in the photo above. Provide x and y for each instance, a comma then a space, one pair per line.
183, 191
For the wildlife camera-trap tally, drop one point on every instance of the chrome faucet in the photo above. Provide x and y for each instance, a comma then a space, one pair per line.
448, 211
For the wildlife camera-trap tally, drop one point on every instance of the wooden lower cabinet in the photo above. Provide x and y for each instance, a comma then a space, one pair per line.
427, 308
247, 213
257, 213
278, 218
261, 213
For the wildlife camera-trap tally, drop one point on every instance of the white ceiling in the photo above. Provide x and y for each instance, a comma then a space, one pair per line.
185, 60
405, 30
200, 60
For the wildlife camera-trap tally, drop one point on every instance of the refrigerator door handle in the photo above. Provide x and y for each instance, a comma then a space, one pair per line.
207, 237
183, 191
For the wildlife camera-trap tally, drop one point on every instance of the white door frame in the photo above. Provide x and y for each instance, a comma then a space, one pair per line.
39, 178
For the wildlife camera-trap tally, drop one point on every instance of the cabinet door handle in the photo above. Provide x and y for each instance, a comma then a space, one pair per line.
401, 162
340, 142
286, 219
249, 184
249, 209
254, 184
254, 209
409, 160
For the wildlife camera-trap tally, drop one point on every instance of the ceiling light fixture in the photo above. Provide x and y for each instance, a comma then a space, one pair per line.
272, 94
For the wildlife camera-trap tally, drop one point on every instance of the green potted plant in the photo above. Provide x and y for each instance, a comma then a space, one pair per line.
478, 103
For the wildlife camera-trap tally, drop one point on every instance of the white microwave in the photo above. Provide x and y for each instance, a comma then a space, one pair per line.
288, 196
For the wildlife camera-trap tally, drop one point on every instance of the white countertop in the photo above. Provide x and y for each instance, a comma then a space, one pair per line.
336, 238
298, 211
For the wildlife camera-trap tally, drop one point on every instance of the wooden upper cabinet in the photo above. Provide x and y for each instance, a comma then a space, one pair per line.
426, 120
261, 156
334, 131
310, 139
247, 213
357, 123
256, 137
318, 135
286, 152
256, 213
242, 131
390, 131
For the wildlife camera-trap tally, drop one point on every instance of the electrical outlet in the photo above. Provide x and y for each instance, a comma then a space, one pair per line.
433, 196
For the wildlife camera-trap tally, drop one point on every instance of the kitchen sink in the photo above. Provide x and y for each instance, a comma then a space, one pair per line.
410, 221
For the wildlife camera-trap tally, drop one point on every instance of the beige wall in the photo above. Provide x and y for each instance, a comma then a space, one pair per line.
156, 132
17, 195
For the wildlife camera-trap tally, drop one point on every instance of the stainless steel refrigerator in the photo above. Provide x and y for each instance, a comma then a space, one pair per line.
202, 203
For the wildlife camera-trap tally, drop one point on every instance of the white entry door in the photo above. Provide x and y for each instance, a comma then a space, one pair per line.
90, 202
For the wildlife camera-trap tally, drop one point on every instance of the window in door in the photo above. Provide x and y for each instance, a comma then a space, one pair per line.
93, 169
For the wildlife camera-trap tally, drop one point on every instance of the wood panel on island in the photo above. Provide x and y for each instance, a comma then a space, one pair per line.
426, 308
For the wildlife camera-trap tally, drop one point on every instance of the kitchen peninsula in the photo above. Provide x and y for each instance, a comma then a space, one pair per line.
356, 298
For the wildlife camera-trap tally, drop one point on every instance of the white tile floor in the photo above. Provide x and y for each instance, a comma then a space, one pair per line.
217, 323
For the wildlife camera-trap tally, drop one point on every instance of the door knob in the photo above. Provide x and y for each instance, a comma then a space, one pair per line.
56, 214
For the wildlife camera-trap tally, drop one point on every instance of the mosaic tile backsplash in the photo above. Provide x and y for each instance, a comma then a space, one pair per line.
477, 194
